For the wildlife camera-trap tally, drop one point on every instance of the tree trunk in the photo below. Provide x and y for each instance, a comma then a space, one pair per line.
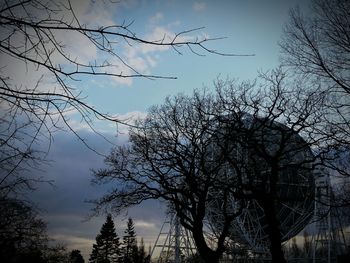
206, 253
273, 232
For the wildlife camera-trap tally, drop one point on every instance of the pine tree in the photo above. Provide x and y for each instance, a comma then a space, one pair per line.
94, 254
141, 252
107, 247
130, 251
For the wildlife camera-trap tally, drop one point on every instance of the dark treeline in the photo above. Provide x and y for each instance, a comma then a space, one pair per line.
24, 238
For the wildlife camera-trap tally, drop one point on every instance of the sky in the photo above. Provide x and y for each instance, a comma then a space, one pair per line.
251, 27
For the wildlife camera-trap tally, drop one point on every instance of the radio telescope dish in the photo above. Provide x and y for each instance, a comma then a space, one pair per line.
295, 184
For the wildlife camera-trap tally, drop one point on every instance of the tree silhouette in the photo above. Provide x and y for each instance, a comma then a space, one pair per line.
22, 233
76, 257
141, 252
107, 247
316, 47
129, 245
168, 159
23, 236
318, 44
221, 149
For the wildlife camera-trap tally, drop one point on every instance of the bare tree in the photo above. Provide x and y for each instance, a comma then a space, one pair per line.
34, 38
316, 46
275, 169
168, 158
209, 154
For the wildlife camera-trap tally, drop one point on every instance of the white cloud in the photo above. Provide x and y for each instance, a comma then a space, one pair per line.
162, 34
142, 57
79, 125
151, 61
122, 130
129, 118
132, 116
156, 18
133, 59
144, 224
74, 242
158, 35
94, 12
139, 63
78, 46
199, 6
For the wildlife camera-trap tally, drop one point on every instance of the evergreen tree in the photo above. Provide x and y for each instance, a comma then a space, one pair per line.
130, 251
94, 254
141, 252
107, 247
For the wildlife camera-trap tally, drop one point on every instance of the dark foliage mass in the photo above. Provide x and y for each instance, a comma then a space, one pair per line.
23, 236
76, 257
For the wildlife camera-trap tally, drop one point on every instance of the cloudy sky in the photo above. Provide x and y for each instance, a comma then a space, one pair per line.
249, 27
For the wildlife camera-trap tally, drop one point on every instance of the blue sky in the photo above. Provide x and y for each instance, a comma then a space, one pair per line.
249, 27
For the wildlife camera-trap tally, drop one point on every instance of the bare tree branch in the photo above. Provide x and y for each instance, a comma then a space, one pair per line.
35, 36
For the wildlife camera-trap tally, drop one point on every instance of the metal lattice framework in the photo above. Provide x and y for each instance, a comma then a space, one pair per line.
295, 187
329, 240
173, 242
